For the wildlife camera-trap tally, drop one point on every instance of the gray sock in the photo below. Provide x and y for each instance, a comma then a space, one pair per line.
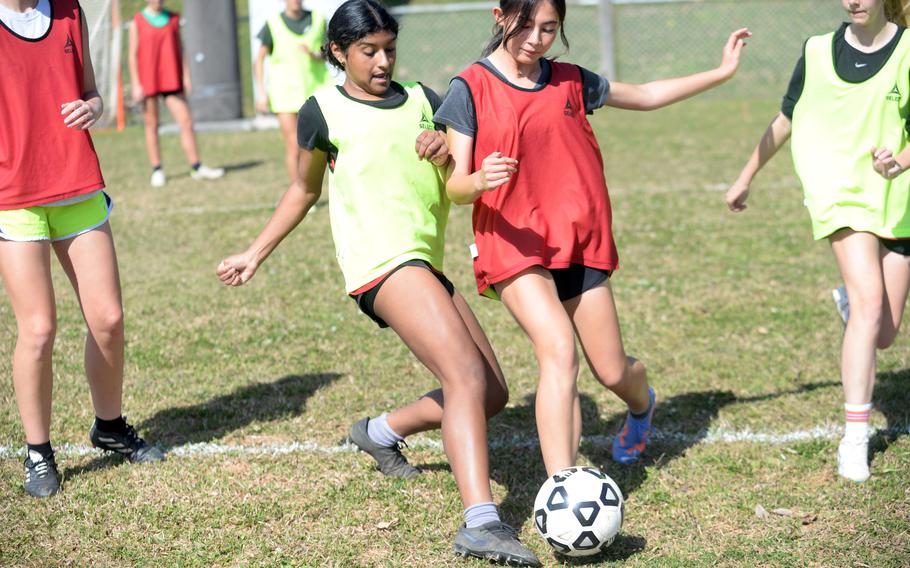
381, 433
481, 514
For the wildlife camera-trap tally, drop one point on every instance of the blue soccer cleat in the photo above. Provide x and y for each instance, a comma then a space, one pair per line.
629, 443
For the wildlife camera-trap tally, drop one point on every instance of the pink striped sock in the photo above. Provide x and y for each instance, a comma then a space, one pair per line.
857, 420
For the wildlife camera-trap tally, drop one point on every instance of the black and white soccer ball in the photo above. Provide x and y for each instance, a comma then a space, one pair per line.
579, 511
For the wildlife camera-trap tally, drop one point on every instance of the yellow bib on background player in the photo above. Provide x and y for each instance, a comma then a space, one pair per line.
835, 126
294, 75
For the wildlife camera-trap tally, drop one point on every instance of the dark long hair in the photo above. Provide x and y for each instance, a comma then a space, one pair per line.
516, 14
353, 21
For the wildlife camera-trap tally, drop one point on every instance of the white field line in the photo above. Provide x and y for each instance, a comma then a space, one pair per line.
717, 436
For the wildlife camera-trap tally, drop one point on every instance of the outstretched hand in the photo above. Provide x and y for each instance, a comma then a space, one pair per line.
733, 50
884, 162
236, 270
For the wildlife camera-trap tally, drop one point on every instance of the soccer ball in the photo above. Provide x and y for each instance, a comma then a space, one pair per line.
579, 511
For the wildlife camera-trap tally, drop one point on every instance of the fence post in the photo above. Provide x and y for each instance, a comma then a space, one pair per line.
607, 40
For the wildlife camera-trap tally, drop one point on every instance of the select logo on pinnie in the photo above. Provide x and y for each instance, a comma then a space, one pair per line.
426, 123
69, 46
894, 94
568, 110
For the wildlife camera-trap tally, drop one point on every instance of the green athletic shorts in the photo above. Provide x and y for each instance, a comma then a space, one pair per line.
55, 223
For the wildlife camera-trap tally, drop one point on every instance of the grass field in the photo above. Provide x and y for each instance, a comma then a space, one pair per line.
254, 388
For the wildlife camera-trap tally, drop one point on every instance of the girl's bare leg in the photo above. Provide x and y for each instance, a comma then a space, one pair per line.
90, 262
25, 268
532, 299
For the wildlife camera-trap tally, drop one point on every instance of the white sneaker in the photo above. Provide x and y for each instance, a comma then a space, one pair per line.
205, 172
842, 302
853, 459
158, 178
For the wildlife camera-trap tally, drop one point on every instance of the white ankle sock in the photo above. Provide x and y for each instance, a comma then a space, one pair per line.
381, 433
481, 514
857, 426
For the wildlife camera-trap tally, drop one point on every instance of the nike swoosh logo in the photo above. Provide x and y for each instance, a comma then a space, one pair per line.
860, 65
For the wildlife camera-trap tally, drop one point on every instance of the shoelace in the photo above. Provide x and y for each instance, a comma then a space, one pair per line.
41, 468
133, 438
401, 461
506, 529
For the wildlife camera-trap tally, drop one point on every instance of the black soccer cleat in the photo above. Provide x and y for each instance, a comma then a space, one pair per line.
128, 444
495, 541
389, 459
41, 476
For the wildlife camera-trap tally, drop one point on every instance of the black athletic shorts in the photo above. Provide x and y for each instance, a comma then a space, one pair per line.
900, 246
366, 300
577, 279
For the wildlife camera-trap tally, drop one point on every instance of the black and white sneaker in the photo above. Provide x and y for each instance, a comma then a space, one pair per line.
41, 477
495, 541
128, 444
389, 459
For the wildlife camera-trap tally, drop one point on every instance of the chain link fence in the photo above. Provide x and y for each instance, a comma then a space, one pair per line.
653, 39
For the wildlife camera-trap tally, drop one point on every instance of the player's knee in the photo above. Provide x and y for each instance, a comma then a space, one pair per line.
151, 120
185, 123
866, 311
107, 325
613, 376
467, 377
37, 336
559, 357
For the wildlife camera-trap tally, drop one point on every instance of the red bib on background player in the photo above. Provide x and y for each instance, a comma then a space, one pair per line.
159, 56
41, 160
555, 211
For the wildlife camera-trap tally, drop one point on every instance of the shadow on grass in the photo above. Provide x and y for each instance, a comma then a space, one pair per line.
213, 419
892, 398
242, 166
682, 421
228, 168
